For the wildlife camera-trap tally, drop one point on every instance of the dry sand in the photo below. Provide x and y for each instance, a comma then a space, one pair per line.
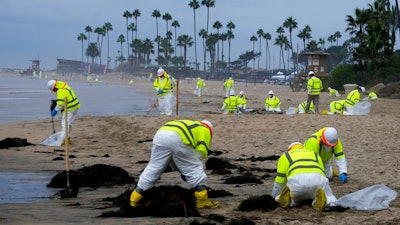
371, 144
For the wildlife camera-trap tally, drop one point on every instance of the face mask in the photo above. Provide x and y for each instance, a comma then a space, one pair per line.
327, 148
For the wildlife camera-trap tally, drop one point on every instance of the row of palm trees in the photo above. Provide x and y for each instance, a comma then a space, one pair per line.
365, 36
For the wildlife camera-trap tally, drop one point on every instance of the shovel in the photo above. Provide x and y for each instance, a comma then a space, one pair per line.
69, 192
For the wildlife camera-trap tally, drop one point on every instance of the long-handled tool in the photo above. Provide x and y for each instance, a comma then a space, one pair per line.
53, 105
69, 192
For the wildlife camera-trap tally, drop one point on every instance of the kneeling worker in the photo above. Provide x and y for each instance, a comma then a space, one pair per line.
300, 176
182, 143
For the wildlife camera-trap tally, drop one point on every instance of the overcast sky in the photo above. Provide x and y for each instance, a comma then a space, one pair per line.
48, 29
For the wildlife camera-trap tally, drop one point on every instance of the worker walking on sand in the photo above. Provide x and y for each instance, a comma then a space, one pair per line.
300, 176
200, 85
272, 103
326, 143
164, 86
182, 143
228, 86
314, 88
230, 104
63, 90
352, 98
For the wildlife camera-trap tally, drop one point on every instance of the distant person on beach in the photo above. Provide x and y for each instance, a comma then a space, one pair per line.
326, 143
272, 103
164, 86
229, 84
333, 92
230, 104
182, 144
200, 85
314, 88
63, 90
300, 176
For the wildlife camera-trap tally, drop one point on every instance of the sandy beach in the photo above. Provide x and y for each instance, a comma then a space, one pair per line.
371, 146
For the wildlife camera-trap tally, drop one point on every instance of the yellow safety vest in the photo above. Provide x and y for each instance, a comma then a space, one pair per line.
315, 85
64, 90
298, 161
192, 133
353, 97
272, 102
231, 103
166, 85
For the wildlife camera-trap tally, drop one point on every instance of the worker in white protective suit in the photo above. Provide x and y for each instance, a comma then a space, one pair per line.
164, 86
182, 143
300, 176
326, 143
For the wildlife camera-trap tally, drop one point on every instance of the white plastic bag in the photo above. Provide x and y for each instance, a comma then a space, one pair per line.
362, 108
375, 197
54, 139
291, 111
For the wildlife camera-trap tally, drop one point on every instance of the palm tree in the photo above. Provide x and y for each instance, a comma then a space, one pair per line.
92, 51
156, 14
203, 35
185, 41
254, 40
321, 42
167, 17
148, 49
223, 37
230, 25
290, 24
217, 25
136, 13
99, 43
88, 30
175, 24
267, 37
194, 4
337, 35
82, 37
108, 27
127, 15
260, 34
331, 39
305, 34
208, 4
281, 41
121, 40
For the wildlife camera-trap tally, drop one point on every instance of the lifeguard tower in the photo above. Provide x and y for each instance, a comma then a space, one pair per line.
317, 62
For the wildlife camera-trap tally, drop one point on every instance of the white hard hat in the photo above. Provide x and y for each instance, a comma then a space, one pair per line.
362, 89
232, 92
330, 136
160, 71
230, 78
270, 92
329, 88
295, 145
241, 93
51, 84
208, 124
311, 73
198, 78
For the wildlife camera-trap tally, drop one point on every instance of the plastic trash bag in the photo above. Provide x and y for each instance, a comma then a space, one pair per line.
362, 108
375, 197
55, 139
291, 110
197, 92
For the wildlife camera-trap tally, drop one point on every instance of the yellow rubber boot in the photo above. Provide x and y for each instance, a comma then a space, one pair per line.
335, 173
202, 201
135, 198
320, 200
284, 198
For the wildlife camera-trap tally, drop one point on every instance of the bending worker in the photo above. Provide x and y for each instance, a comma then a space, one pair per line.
272, 103
230, 104
164, 86
352, 98
302, 107
300, 176
241, 101
337, 107
182, 143
326, 143
333, 92
63, 90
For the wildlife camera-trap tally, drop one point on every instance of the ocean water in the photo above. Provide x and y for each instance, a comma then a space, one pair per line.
23, 99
